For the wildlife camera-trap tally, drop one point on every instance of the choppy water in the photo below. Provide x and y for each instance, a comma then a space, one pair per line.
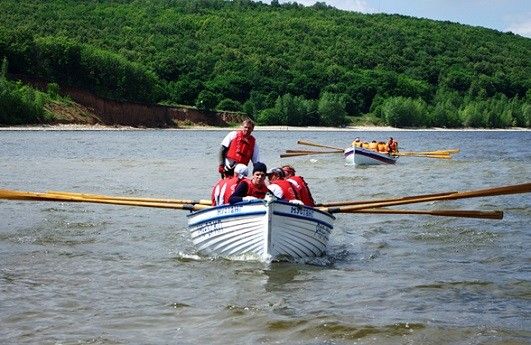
102, 274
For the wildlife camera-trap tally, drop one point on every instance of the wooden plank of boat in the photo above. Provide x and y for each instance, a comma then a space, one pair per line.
261, 230
361, 156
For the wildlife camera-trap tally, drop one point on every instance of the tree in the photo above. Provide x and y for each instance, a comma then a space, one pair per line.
472, 115
404, 112
206, 100
3, 71
229, 104
332, 109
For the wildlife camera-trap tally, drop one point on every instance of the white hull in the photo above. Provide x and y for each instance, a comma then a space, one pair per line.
360, 156
260, 230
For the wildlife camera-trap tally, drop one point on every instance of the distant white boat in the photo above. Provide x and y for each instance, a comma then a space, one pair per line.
361, 156
262, 230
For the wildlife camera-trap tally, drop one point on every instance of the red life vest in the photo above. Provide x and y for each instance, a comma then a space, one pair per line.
230, 186
287, 191
256, 191
223, 190
301, 187
216, 191
241, 148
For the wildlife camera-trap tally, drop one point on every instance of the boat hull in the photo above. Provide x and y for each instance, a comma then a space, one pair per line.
265, 231
361, 156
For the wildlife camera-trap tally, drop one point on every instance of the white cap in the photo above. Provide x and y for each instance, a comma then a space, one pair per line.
241, 170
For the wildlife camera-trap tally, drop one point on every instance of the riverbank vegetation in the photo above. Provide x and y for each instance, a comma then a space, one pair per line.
280, 63
19, 103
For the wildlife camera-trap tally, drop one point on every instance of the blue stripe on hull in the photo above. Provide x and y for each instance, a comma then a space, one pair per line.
227, 216
376, 156
302, 217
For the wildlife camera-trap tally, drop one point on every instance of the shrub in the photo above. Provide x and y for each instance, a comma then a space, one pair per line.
229, 104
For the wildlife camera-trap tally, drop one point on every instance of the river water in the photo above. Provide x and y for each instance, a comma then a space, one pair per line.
103, 274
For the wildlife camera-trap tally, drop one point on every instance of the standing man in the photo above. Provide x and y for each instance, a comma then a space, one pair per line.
238, 147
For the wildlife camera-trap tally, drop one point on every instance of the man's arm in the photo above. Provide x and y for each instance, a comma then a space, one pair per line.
225, 143
276, 190
239, 192
222, 154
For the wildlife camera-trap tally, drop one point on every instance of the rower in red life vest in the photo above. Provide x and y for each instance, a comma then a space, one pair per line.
299, 185
253, 188
392, 146
238, 147
226, 186
281, 188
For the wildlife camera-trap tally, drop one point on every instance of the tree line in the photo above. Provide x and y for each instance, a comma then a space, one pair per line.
280, 63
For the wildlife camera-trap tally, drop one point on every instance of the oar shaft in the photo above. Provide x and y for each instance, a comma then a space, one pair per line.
438, 152
284, 155
303, 142
505, 190
431, 156
411, 154
108, 197
368, 202
20, 195
441, 213
313, 151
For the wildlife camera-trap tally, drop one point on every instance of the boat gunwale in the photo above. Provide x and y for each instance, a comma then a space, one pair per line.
258, 201
227, 216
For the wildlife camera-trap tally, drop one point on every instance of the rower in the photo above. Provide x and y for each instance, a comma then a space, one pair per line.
299, 185
392, 145
281, 188
253, 188
226, 186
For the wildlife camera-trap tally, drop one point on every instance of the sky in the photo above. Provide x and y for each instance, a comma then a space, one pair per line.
501, 15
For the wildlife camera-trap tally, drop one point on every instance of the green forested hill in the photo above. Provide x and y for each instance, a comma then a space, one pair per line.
284, 64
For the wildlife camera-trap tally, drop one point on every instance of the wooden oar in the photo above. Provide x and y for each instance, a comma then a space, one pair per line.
303, 142
442, 213
505, 190
423, 156
439, 152
297, 154
108, 197
411, 154
375, 201
313, 151
34, 196
284, 155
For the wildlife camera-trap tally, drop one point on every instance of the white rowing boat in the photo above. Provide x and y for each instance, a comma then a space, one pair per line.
261, 229
361, 156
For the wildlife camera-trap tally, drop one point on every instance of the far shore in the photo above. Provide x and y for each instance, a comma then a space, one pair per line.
76, 127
